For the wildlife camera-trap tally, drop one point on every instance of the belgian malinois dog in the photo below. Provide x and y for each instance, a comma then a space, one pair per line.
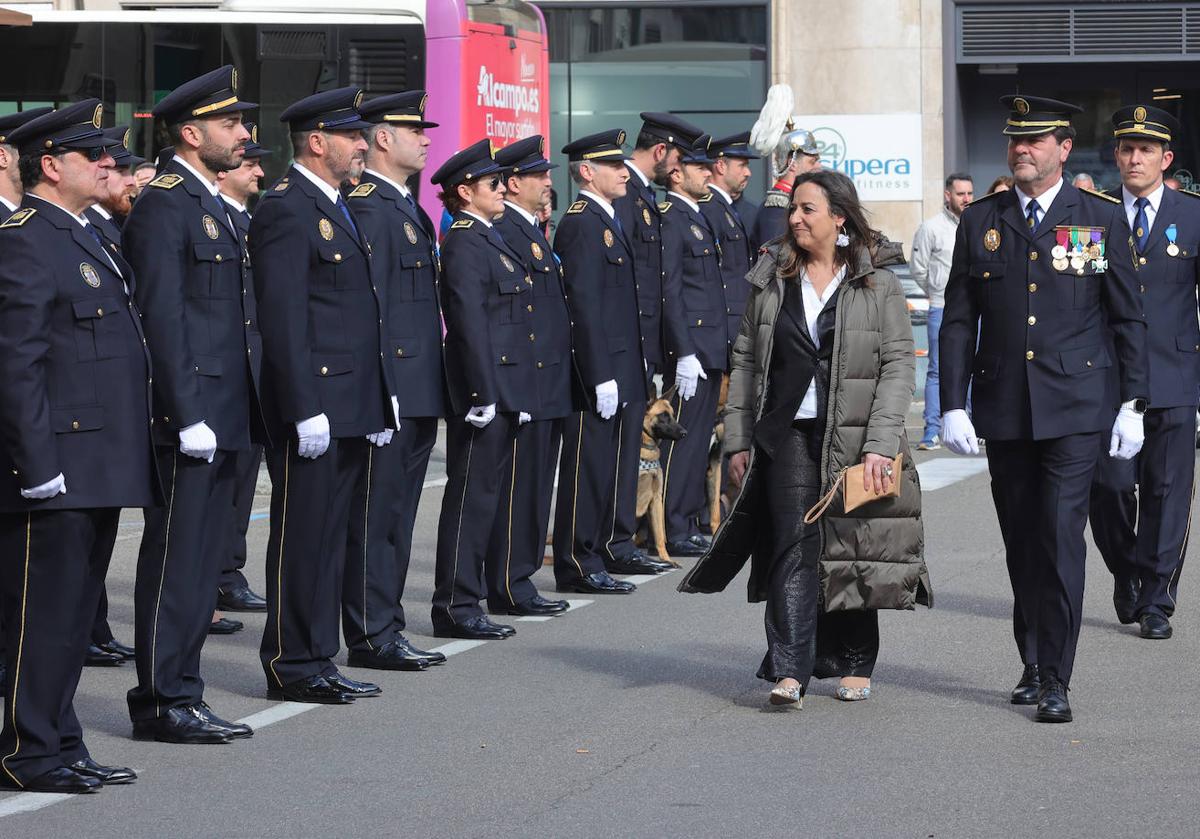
658, 424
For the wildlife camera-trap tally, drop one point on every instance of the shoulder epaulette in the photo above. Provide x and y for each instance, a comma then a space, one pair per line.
363, 190
281, 186
1189, 192
577, 207
462, 224
167, 180
663, 206
1100, 195
19, 217
989, 195
776, 199
705, 199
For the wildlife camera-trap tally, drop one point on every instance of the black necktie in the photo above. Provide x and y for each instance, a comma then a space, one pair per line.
1031, 215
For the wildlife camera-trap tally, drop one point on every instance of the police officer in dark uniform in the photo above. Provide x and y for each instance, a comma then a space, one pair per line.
519, 531
1142, 534
181, 241
1036, 273
598, 273
327, 391
404, 243
491, 349
75, 422
730, 174
771, 219
655, 156
691, 257
237, 187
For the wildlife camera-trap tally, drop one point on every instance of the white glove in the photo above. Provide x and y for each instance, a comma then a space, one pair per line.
49, 489
606, 399
523, 418
380, 438
1128, 433
396, 410
198, 441
313, 434
958, 433
480, 417
688, 371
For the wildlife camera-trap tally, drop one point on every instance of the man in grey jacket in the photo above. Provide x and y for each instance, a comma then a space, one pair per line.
933, 246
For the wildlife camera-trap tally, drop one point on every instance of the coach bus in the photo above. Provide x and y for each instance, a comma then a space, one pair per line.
484, 62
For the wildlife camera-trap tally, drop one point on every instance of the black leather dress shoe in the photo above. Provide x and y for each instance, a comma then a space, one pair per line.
97, 657
240, 599
117, 648
478, 628
107, 775
598, 583
1125, 596
225, 626
184, 725
60, 779
633, 564
314, 689
433, 658
236, 729
702, 540
353, 687
686, 548
1052, 702
536, 605
1154, 626
653, 561
389, 656
1026, 691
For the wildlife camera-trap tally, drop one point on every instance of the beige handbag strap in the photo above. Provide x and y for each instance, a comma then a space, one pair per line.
821, 506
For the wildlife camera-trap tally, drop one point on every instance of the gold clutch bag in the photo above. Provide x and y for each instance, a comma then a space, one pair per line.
851, 482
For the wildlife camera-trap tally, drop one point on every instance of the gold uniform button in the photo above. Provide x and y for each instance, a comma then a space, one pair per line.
217, 257
1033, 255
1089, 364
621, 259
247, 323
74, 425
1032, 320
530, 336
100, 313
337, 257
418, 263
699, 322
539, 364
324, 371
400, 352
1029, 355
516, 288
1032, 288
987, 274
529, 308
504, 359
1141, 260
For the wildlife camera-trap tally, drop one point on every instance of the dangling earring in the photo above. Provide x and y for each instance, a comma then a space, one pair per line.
842, 239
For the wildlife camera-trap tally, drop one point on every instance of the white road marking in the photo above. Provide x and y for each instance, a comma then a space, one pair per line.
942, 472
534, 618
27, 802
642, 579
578, 604
276, 713
456, 647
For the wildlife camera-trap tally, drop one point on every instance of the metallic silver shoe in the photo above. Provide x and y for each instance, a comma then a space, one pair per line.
853, 694
782, 696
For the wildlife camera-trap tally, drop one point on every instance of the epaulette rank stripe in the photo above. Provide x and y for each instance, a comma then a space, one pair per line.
704, 199
577, 207
663, 206
282, 186
1189, 192
462, 224
167, 180
776, 199
1100, 195
363, 190
19, 217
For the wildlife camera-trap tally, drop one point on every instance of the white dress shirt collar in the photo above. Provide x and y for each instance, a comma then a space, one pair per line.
8, 205
1044, 200
728, 198
524, 214
79, 218
478, 217
401, 188
604, 205
212, 187
105, 214
695, 207
331, 193
641, 175
237, 205
1155, 199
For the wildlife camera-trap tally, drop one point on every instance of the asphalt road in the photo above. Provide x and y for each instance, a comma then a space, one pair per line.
640, 716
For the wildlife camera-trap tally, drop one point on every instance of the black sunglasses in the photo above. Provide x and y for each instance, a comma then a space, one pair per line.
494, 183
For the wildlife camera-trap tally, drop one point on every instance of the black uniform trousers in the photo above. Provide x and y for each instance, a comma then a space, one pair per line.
518, 543
478, 462
1142, 535
588, 481
248, 463
685, 462
1041, 489
623, 510
383, 511
179, 561
306, 556
52, 567
802, 639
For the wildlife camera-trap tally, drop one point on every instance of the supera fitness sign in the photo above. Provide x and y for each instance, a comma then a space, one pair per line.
506, 77
881, 153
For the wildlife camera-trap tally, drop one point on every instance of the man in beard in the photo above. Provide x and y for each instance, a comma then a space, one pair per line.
204, 341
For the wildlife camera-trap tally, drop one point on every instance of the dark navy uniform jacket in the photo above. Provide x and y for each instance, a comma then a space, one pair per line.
642, 223
74, 368
598, 271
108, 227
492, 345
193, 292
748, 212
1043, 357
735, 255
320, 315
771, 219
1168, 285
551, 319
693, 272
404, 240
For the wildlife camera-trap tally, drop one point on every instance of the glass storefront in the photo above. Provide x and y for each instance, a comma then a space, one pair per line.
609, 63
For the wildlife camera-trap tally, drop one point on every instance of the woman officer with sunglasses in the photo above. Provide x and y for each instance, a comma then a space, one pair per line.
487, 301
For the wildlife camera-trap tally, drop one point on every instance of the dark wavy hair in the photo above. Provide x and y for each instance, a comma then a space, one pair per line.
843, 201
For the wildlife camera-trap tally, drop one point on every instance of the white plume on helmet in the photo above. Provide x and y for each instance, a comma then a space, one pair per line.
773, 120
